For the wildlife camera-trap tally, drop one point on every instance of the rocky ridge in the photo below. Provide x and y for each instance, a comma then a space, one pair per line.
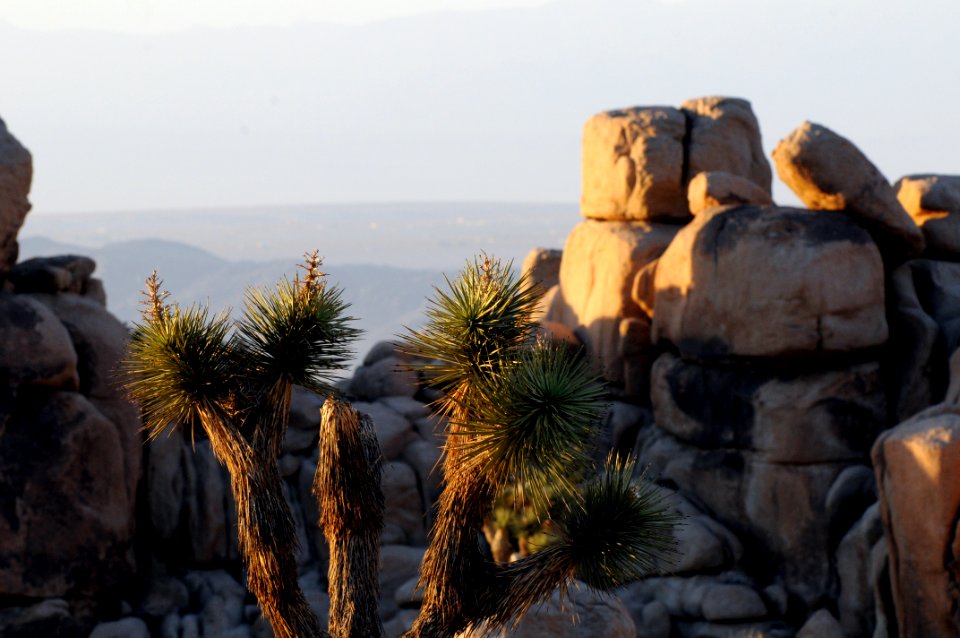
759, 359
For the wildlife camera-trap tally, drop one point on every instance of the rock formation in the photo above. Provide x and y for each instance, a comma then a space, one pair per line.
755, 355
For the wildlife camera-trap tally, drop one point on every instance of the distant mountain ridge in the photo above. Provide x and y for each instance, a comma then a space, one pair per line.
383, 299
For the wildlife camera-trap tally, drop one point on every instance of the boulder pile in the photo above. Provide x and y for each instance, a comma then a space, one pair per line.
70, 446
759, 358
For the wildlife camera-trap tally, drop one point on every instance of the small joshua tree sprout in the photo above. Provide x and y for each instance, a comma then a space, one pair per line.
522, 413
187, 367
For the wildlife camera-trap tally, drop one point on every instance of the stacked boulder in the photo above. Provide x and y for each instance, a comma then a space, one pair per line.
637, 166
773, 386
70, 447
768, 338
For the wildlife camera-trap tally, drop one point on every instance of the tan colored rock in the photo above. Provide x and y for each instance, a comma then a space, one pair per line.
66, 526
633, 165
600, 262
716, 188
933, 201
542, 265
828, 172
768, 282
725, 136
16, 173
918, 474
644, 292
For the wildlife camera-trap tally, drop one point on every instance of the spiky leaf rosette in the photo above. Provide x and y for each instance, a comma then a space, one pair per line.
179, 366
298, 332
476, 324
532, 424
618, 530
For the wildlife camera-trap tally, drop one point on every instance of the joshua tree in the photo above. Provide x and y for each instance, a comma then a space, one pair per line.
521, 414
186, 367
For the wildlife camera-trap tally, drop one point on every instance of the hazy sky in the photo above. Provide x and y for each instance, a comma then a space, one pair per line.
164, 16
138, 105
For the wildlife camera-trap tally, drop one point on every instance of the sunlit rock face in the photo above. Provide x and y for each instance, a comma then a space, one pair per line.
600, 262
718, 188
633, 165
918, 471
933, 201
827, 171
638, 161
768, 282
724, 135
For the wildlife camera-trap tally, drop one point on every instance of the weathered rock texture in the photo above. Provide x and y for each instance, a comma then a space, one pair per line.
767, 282
16, 173
600, 261
70, 446
918, 473
775, 414
637, 162
633, 165
925, 324
933, 201
725, 136
717, 188
828, 172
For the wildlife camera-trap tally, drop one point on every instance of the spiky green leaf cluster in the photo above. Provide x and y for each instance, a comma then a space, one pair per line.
297, 333
617, 529
179, 364
532, 424
183, 361
476, 325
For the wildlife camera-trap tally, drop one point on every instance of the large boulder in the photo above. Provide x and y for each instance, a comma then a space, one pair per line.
828, 172
725, 136
35, 347
778, 510
66, 521
918, 473
933, 201
768, 282
786, 415
633, 165
583, 613
717, 188
16, 173
925, 328
100, 341
600, 262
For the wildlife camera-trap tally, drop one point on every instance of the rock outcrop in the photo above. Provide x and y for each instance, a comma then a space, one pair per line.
828, 172
16, 173
933, 201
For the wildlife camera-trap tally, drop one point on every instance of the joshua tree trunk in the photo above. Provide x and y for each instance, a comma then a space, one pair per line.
266, 532
350, 499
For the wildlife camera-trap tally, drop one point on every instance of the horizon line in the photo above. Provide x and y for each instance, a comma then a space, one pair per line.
233, 208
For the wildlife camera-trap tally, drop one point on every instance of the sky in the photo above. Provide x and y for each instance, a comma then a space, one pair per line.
137, 105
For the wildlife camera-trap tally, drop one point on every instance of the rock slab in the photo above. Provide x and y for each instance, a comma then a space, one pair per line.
828, 172
769, 282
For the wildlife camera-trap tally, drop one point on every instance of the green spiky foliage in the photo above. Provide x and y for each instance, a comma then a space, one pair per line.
522, 413
185, 367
